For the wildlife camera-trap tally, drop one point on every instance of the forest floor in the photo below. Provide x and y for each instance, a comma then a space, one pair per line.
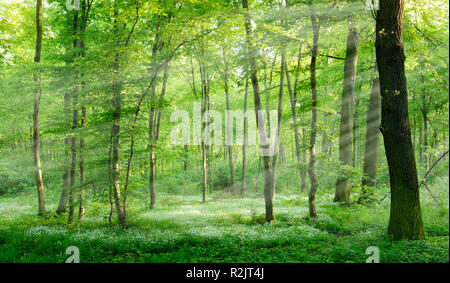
182, 229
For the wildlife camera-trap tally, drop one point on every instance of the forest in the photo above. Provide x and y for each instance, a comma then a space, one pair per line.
224, 131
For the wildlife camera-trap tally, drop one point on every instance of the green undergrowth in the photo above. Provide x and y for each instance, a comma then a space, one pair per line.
222, 230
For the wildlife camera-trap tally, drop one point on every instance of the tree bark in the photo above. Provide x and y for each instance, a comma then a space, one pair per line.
405, 217
343, 185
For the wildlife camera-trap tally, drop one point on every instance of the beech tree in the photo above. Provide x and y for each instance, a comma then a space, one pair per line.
405, 217
36, 113
343, 186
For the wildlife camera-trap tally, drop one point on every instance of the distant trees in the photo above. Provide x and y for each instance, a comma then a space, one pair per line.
405, 218
131, 69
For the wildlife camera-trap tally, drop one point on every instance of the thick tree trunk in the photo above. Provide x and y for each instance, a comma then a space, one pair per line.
405, 217
312, 139
261, 129
371, 146
37, 102
343, 186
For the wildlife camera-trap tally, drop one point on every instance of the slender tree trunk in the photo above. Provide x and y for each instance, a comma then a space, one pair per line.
244, 146
74, 125
261, 129
66, 177
230, 129
82, 208
303, 172
312, 140
277, 137
37, 102
405, 217
371, 146
204, 148
343, 186
152, 159
356, 148
154, 126
115, 132
425, 131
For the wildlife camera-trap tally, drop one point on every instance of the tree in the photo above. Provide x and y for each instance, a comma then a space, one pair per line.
343, 186
262, 133
244, 146
369, 180
36, 113
229, 123
115, 129
293, 101
312, 140
405, 217
74, 122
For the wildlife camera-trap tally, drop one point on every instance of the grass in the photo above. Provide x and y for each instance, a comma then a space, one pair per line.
182, 229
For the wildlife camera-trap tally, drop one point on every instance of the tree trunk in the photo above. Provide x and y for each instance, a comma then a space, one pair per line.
205, 103
74, 126
405, 217
154, 126
37, 102
66, 177
244, 146
371, 146
277, 135
261, 130
229, 130
312, 140
425, 131
115, 132
82, 208
343, 186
